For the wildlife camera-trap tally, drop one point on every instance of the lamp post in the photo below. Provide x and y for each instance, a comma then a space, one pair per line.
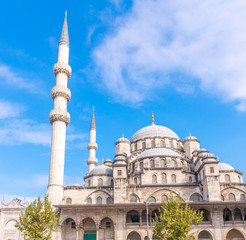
147, 204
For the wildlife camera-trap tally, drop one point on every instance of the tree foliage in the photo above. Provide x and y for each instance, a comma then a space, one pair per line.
38, 220
175, 221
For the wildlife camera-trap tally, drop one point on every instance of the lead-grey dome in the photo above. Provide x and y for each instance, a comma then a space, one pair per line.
154, 131
101, 170
225, 167
158, 152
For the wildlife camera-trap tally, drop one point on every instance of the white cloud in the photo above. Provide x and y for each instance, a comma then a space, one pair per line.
21, 131
9, 109
15, 80
203, 41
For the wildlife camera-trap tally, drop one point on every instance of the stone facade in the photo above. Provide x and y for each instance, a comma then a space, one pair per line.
149, 167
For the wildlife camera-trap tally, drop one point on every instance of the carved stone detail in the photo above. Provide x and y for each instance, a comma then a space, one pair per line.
61, 67
61, 92
59, 115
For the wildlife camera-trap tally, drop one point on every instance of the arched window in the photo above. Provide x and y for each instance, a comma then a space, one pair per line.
173, 177
143, 145
133, 198
227, 216
135, 180
162, 144
170, 143
141, 166
232, 197
227, 178
238, 215
152, 143
242, 197
112, 182
69, 201
164, 198
204, 235
152, 163
99, 200
132, 217
239, 179
195, 197
100, 182
89, 183
190, 179
154, 179
164, 178
163, 163
155, 214
206, 215
89, 201
109, 200
136, 147
174, 163
152, 200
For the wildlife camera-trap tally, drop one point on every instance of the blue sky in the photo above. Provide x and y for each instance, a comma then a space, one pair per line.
183, 60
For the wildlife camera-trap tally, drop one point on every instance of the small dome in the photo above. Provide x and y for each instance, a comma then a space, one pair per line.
203, 150
190, 138
76, 185
101, 170
225, 167
122, 139
154, 131
108, 161
156, 152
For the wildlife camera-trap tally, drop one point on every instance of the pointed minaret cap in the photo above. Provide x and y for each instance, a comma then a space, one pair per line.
153, 120
93, 122
64, 35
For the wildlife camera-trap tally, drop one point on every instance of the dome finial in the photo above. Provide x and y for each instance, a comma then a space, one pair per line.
153, 120
122, 135
217, 158
102, 161
190, 134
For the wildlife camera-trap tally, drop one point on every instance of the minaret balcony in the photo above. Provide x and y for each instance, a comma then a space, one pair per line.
59, 115
62, 67
92, 146
60, 91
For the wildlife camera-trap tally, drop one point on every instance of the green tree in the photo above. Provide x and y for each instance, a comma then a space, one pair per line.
175, 220
38, 220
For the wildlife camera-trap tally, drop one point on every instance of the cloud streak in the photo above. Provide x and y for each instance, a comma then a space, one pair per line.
204, 42
8, 76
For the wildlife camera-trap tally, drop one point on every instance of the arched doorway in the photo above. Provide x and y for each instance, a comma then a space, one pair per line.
133, 236
106, 231
68, 229
204, 235
234, 234
90, 232
10, 231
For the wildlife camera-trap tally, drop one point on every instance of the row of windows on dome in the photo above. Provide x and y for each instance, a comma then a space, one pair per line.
137, 180
168, 143
100, 183
159, 163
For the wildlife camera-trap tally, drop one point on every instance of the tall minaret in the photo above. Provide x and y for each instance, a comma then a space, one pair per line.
59, 118
92, 146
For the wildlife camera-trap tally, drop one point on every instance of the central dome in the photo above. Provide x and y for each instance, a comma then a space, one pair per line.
154, 131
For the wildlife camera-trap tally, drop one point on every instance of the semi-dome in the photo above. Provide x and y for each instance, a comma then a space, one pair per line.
158, 152
154, 131
101, 170
225, 167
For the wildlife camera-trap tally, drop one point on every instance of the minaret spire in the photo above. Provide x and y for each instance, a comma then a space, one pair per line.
59, 118
93, 122
92, 146
64, 35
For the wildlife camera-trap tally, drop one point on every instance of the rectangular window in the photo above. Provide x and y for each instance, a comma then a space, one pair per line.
119, 172
211, 170
108, 224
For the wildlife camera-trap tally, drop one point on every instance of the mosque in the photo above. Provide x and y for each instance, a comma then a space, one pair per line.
155, 162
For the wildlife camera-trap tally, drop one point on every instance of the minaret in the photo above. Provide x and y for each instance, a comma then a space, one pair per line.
59, 118
92, 146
